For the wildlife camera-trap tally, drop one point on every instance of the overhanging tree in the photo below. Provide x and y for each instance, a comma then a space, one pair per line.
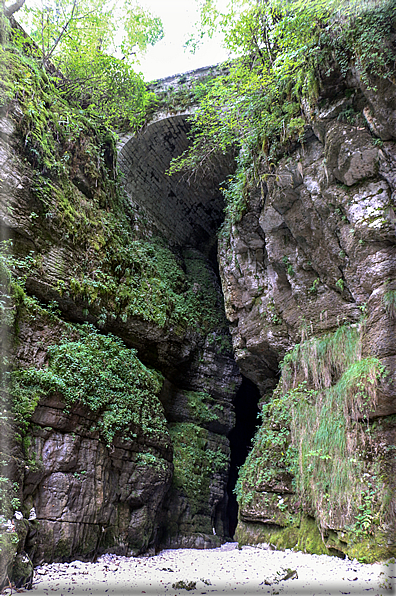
95, 44
281, 50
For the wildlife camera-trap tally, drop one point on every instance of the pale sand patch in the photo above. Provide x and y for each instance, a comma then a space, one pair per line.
224, 570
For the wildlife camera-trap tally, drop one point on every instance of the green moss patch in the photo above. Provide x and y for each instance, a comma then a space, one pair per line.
98, 372
304, 536
202, 406
195, 463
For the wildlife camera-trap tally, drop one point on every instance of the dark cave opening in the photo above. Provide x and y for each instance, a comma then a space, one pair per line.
246, 410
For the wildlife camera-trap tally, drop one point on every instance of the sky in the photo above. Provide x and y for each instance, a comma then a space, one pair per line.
168, 56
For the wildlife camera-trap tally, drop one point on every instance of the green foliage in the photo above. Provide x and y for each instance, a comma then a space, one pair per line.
203, 300
272, 314
199, 403
389, 301
321, 360
363, 37
235, 194
315, 285
312, 430
9, 501
82, 37
332, 445
283, 50
149, 459
7, 310
109, 89
79, 26
272, 454
12, 296
145, 278
195, 463
366, 516
349, 115
96, 86
100, 373
57, 138
288, 265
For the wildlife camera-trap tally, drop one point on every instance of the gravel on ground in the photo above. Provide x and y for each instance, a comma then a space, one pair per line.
224, 570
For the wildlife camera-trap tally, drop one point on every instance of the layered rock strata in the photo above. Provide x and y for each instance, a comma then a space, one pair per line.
82, 254
313, 251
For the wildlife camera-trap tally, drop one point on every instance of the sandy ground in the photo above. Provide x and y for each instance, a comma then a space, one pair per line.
224, 570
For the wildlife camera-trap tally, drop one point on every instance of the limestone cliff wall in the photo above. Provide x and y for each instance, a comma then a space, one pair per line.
313, 253
132, 458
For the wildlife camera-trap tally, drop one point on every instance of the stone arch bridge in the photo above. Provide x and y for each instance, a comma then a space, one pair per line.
186, 209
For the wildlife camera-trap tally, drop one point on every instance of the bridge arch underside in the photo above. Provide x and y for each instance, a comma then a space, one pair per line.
188, 210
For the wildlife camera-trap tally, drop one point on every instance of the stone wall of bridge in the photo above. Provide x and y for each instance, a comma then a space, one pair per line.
187, 209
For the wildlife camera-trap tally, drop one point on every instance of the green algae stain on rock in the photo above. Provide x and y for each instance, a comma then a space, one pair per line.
304, 536
201, 463
191, 463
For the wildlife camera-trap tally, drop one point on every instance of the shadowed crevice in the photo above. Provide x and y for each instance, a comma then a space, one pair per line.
246, 411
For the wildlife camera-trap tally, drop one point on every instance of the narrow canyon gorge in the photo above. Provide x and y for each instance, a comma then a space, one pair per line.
175, 379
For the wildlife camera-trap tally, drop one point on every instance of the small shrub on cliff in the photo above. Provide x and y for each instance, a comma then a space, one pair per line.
100, 373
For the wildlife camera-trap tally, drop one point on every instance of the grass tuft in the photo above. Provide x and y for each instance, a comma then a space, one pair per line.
315, 430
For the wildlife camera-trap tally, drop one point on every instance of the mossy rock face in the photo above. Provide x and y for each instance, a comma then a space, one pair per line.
305, 537
198, 456
366, 549
310, 539
313, 455
102, 374
8, 549
197, 407
201, 461
21, 574
162, 301
111, 486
